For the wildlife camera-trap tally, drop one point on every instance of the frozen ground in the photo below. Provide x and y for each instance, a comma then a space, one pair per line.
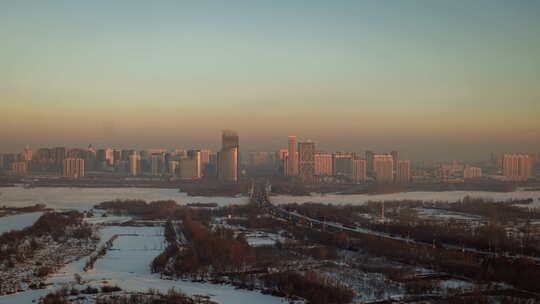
18, 222
127, 265
449, 196
85, 198
446, 215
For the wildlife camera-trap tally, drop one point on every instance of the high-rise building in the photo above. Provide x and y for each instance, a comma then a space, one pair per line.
109, 157
134, 164
90, 160
195, 155
60, 154
342, 163
403, 171
229, 139
323, 163
205, 157
190, 167
306, 161
228, 165
383, 167
19, 167
27, 154
228, 157
369, 162
73, 167
517, 167
292, 157
174, 166
395, 157
157, 162
472, 172
7, 160
359, 170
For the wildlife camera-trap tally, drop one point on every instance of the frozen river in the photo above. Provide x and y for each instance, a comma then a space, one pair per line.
85, 198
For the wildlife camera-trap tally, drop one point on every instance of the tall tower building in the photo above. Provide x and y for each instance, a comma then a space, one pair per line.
228, 157
134, 164
383, 167
306, 161
74, 167
292, 165
359, 170
403, 171
228, 165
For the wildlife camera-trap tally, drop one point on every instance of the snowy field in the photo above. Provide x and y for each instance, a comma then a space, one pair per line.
449, 196
18, 222
85, 198
127, 265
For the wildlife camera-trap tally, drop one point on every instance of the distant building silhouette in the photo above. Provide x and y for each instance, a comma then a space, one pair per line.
292, 157
306, 161
228, 157
134, 164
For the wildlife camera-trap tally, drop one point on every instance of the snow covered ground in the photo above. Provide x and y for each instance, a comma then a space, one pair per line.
85, 198
258, 238
127, 265
450, 196
446, 215
18, 222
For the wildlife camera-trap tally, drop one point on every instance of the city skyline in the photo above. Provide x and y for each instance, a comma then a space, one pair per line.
436, 80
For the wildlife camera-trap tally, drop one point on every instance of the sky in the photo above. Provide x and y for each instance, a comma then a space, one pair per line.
432, 79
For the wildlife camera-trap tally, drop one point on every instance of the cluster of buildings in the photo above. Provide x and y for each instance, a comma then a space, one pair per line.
302, 162
511, 167
181, 164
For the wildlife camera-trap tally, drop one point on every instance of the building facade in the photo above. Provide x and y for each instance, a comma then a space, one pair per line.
517, 167
403, 171
383, 167
359, 170
134, 164
73, 167
306, 161
323, 164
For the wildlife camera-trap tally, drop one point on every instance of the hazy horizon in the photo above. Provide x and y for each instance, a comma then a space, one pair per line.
432, 79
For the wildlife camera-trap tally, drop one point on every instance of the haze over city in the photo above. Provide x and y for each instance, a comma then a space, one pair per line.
433, 79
